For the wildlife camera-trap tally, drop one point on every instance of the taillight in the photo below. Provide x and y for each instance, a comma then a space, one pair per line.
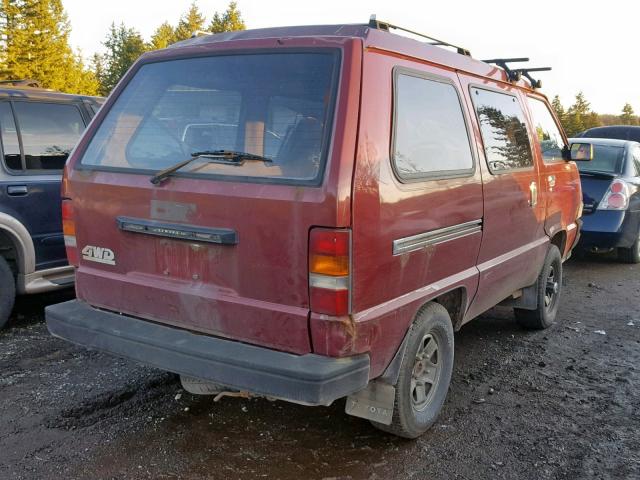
617, 196
69, 232
329, 271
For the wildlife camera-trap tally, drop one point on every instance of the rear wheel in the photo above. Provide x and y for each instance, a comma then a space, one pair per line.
549, 291
632, 254
7, 292
425, 374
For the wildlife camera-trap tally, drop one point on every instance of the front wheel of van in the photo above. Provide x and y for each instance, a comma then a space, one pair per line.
7, 292
549, 292
425, 374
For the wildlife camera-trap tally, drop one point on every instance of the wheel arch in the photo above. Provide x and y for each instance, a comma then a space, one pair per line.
454, 301
16, 238
559, 239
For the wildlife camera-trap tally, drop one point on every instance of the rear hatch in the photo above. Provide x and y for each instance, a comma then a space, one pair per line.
220, 245
596, 176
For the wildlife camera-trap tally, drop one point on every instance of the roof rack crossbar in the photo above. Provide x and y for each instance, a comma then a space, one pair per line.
385, 26
516, 74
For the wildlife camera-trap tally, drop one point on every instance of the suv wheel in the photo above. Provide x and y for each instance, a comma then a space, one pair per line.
632, 254
7, 292
425, 374
549, 292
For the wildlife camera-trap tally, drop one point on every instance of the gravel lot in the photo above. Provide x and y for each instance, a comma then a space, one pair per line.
563, 403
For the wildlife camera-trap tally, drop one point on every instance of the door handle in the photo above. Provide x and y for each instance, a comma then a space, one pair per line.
551, 180
17, 190
533, 194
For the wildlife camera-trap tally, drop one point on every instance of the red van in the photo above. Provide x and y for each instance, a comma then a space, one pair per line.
309, 213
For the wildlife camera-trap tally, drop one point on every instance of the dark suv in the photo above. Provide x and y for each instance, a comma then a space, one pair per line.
38, 130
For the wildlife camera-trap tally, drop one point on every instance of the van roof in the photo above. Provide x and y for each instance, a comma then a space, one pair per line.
373, 38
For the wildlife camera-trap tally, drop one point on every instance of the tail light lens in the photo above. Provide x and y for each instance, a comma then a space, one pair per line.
617, 196
69, 231
329, 271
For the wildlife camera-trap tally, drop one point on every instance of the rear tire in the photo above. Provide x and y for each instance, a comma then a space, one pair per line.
425, 374
549, 293
7, 292
630, 255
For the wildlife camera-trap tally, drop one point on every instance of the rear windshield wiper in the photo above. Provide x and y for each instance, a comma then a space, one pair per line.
224, 156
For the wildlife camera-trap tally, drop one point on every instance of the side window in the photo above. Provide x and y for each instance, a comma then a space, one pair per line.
49, 131
430, 134
547, 131
636, 161
9, 136
504, 130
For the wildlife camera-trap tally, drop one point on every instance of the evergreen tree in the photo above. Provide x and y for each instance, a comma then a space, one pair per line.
35, 44
124, 45
190, 22
229, 21
163, 36
580, 117
628, 117
556, 104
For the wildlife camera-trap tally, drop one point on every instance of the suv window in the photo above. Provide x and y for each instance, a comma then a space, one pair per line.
49, 131
504, 131
547, 131
430, 133
9, 137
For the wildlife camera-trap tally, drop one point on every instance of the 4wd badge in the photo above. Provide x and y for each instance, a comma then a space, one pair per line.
98, 254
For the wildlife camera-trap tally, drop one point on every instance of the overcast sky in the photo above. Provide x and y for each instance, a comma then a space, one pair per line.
591, 46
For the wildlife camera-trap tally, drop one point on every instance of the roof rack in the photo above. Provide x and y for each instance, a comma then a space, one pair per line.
25, 82
516, 74
385, 26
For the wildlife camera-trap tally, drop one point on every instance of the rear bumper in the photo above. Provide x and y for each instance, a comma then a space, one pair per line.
308, 379
606, 229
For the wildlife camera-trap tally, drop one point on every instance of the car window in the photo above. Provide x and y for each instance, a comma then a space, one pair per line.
547, 131
636, 161
276, 105
504, 131
606, 158
49, 131
9, 136
430, 134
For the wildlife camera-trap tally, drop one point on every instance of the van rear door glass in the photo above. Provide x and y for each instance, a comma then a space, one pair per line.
504, 130
277, 105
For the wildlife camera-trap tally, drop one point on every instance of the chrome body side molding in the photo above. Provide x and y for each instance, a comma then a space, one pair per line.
433, 237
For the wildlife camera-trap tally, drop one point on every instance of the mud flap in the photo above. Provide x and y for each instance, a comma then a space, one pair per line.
373, 403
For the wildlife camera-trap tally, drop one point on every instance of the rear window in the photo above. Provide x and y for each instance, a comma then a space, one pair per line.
606, 159
276, 105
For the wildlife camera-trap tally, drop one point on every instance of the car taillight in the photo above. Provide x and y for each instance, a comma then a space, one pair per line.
329, 271
69, 232
617, 196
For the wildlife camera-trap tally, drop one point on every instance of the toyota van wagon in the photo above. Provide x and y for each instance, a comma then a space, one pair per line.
310, 213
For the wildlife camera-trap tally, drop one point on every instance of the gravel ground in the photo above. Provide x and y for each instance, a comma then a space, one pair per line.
563, 403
